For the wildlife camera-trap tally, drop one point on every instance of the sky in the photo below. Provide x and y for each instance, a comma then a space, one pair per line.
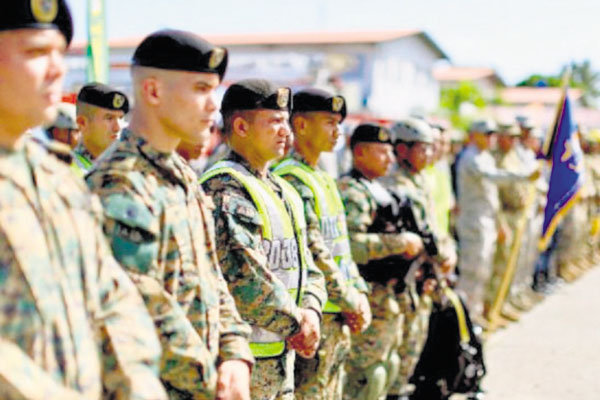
515, 37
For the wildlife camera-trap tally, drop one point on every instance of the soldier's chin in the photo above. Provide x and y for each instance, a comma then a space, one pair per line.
47, 116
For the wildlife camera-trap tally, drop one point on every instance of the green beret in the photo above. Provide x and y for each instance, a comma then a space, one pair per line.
256, 94
310, 100
104, 96
181, 51
37, 14
372, 133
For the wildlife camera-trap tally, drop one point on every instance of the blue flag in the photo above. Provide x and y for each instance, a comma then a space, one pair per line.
566, 178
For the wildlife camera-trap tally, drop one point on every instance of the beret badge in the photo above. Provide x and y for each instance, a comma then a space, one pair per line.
44, 10
337, 103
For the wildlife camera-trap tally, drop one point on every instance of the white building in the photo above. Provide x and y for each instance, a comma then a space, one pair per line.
382, 74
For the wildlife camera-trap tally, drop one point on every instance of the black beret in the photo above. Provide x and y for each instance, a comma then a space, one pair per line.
37, 14
370, 133
308, 100
255, 94
101, 95
182, 51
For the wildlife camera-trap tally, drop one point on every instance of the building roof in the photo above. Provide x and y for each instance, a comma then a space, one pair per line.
457, 74
288, 38
529, 95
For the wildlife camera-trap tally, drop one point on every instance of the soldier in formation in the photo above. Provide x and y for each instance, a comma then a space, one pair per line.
100, 112
315, 120
72, 324
261, 235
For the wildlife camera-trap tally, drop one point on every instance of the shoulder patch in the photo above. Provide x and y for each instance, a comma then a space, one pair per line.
241, 208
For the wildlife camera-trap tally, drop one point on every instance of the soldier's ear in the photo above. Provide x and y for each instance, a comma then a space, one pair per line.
298, 124
240, 126
81, 122
151, 90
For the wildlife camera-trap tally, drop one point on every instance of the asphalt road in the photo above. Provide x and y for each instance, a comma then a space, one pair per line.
553, 352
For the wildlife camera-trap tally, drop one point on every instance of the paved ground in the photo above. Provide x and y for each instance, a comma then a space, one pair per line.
553, 352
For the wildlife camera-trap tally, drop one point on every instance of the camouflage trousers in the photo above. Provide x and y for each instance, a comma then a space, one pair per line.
373, 364
273, 378
416, 311
321, 378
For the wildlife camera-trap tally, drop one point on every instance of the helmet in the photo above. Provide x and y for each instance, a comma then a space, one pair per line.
483, 126
412, 130
65, 118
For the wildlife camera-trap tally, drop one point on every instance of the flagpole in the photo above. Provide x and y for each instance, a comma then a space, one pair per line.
97, 49
551, 135
513, 257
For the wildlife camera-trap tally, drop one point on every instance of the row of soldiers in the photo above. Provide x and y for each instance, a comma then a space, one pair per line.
264, 278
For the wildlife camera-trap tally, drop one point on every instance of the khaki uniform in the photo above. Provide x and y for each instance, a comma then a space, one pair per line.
261, 297
322, 376
160, 227
72, 324
477, 180
513, 198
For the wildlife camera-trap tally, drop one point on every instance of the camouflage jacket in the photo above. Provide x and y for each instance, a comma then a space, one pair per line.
339, 293
72, 324
82, 160
361, 210
416, 186
159, 224
261, 298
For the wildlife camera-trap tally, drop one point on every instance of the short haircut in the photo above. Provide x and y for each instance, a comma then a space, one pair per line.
230, 116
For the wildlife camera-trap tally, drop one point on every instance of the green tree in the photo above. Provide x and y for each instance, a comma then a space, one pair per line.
452, 98
582, 77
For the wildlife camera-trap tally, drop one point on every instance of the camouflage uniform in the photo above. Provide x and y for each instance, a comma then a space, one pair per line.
161, 231
373, 354
322, 376
261, 298
415, 308
72, 324
83, 160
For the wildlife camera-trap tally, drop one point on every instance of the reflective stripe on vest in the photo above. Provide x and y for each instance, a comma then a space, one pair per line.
284, 241
80, 165
332, 216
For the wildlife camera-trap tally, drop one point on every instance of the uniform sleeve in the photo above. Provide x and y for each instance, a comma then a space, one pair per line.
133, 234
484, 166
261, 298
234, 332
21, 378
347, 297
131, 348
359, 216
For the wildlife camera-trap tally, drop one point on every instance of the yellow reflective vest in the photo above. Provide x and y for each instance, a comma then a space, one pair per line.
284, 241
330, 211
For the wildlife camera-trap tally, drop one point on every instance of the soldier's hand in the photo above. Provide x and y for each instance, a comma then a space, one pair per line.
306, 342
233, 382
535, 175
360, 320
412, 244
449, 263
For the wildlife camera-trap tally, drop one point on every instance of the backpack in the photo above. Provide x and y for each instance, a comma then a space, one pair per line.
452, 358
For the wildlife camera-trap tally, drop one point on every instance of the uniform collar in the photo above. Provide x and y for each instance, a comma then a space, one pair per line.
236, 158
170, 164
82, 151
